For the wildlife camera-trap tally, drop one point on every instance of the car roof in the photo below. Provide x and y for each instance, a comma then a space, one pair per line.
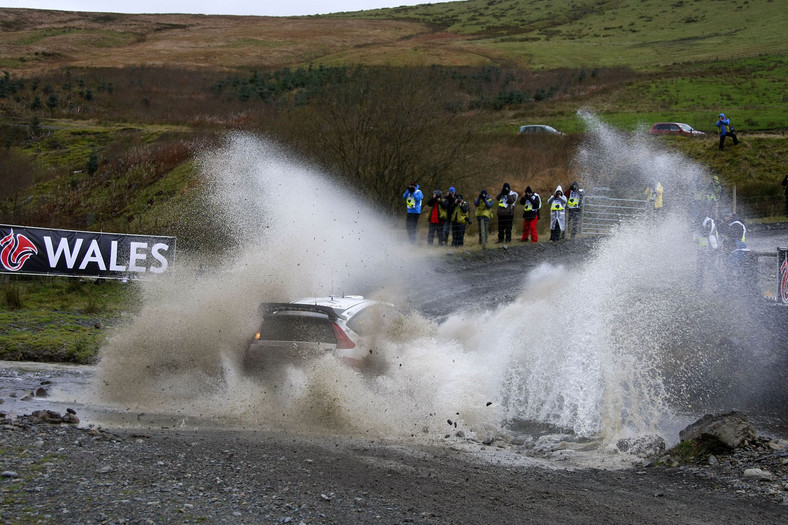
345, 306
337, 303
334, 307
677, 123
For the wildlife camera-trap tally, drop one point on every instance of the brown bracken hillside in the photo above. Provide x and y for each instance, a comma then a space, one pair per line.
33, 40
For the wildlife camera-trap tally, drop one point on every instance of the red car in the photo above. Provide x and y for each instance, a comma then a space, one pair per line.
674, 128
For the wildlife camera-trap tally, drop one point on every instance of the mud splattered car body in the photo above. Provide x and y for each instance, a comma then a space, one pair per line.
292, 333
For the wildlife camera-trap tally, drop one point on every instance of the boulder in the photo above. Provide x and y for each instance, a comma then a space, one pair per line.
758, 474
729, 430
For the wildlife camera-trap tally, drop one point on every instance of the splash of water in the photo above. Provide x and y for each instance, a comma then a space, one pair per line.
298, 235
595, 348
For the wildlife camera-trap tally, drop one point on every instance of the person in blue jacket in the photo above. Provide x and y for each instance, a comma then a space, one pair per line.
726, 130
413, 197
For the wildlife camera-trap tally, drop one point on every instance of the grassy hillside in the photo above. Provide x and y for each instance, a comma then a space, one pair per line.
636, 33
642, 34
102, 115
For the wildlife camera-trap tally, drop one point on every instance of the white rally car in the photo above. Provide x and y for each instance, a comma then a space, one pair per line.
292, 333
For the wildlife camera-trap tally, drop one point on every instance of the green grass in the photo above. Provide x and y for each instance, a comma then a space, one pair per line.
61, 320
644, 34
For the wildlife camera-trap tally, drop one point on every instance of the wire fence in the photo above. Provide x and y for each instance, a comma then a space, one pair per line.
601, 213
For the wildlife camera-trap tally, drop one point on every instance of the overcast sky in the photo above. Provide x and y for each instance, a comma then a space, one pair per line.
215, 7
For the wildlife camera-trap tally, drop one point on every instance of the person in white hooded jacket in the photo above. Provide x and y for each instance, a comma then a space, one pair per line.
557, 205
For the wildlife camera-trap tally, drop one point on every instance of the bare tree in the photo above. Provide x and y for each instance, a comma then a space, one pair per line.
383, 128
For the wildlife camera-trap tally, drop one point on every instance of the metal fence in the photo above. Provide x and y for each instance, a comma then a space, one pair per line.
601, 213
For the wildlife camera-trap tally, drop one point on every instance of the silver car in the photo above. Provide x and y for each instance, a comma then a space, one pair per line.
293, 333
538, 128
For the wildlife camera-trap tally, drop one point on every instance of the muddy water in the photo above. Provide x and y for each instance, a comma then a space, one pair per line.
584, 342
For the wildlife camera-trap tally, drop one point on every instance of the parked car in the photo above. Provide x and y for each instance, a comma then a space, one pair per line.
674, 128
538, 128
293, 333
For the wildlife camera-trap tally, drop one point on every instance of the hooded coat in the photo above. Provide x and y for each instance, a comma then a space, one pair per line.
557, 205
413, 199
724, 124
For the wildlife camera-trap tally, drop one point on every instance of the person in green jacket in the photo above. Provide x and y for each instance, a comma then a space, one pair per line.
484, 213
459, 218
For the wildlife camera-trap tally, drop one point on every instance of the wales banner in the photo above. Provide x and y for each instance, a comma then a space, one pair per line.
41, 251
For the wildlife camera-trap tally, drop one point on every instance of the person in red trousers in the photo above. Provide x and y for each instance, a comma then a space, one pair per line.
531, 203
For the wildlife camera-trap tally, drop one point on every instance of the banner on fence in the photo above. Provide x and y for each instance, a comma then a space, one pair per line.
782, 285
41, 251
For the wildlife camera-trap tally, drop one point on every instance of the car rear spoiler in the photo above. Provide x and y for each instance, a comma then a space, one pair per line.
270, 308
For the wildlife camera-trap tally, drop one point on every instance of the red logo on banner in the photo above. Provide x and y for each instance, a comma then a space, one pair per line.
16, 250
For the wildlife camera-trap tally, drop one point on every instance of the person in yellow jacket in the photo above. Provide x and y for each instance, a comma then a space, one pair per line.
459, 218
654, 195
484, 213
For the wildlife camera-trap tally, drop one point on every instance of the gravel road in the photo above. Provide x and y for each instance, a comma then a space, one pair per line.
66, 474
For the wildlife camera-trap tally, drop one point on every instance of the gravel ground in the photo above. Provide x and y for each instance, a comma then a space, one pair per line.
64, 473
57, 473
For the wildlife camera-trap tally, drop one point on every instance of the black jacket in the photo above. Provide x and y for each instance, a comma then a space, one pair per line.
536, 203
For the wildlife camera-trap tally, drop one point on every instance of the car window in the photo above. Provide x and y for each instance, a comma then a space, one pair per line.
674, 127
300, 327
373, 319
663, 126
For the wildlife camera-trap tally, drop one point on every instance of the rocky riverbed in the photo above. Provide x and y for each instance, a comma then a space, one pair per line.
54, 472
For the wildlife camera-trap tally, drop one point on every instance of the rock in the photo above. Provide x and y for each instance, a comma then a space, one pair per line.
729, 430
48, 416
9, 474
41, 392
758, 474
642, 446
70, 419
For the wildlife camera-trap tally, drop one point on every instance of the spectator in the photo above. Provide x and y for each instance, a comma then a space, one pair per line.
437, 218
740, 266
484, 213
506, 201
654, 195
459, 218
573, 207
785, 185
448, 203
413, 197
708, 244
557, 204
531, 204
713, 194
726, 129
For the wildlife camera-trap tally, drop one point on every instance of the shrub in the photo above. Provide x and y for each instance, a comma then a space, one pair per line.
12, 295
